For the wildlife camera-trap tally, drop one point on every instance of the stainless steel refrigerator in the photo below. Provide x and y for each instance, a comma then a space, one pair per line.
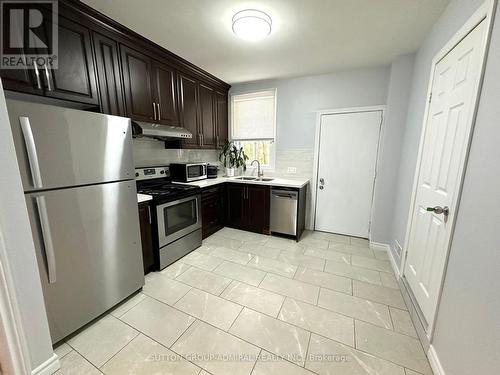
78, 177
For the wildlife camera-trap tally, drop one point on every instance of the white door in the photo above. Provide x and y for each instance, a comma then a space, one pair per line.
348, 149
442, 160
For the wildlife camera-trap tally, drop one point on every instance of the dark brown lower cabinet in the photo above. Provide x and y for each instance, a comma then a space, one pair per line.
146, 237
213, 209
248, 207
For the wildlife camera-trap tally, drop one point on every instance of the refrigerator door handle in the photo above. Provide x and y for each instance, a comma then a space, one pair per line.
29, 141
47, 238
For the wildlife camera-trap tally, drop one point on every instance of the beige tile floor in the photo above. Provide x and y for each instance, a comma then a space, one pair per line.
245, 303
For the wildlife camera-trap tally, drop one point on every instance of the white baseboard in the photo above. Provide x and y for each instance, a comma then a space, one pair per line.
385, 247
434, 361
48, 367
379, 246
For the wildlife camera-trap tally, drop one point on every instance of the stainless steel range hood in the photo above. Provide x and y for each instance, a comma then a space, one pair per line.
157, 131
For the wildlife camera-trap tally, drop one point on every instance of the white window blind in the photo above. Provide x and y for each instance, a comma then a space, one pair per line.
253, 116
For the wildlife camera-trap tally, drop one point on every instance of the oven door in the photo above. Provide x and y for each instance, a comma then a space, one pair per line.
178, 218
196, 172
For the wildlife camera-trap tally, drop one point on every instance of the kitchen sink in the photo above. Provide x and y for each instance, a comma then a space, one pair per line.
254, 179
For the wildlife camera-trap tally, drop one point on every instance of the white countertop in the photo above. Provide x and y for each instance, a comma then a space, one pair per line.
143, 198
274, 182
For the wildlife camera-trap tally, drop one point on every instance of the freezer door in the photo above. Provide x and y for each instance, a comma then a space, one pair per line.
60, 147
88, 250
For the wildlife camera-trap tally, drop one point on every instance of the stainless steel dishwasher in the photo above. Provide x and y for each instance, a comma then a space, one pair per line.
284, 211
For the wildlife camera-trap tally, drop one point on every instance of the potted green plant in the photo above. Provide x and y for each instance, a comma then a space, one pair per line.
232, 158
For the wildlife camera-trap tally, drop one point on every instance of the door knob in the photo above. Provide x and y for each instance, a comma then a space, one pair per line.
439, 210
322, 181
321, 187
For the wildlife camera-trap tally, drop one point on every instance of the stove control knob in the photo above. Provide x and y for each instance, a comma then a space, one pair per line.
136, 174
162, 172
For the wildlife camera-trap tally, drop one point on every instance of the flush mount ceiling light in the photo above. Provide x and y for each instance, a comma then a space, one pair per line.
251, 24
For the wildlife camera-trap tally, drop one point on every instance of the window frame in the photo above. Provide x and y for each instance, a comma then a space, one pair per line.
272, 146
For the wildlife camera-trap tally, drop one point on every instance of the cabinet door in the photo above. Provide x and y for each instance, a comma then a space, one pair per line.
222, 118
235, 205
257, 208
212, 210
75, 76
165, 94
189, 109
22, 80
207, 114
136, 69
108, 71
146, 237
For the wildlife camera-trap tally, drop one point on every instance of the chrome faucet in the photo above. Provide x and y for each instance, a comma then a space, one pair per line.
259, 171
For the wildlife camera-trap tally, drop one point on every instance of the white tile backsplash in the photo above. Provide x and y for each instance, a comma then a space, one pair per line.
149, 152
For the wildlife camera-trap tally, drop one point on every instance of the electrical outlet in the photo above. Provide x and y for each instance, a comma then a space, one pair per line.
292, 170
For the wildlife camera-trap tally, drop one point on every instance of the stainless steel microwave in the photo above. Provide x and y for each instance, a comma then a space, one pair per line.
187, 172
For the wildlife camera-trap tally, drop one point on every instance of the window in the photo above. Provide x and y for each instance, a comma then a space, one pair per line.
253, 125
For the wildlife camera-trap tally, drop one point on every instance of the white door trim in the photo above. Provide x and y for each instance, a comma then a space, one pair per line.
14, 352
484, 13
317, 136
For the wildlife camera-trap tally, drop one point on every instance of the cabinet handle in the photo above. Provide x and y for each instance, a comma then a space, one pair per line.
202, 139
154, 110
37, 73
149, 214
159, 111
47, 75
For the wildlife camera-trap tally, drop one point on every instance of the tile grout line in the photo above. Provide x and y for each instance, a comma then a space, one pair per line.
114, 355
257, 360
282, 295
274, 318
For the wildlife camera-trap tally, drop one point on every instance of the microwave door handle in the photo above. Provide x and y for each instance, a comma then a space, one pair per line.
29, 141
47, 238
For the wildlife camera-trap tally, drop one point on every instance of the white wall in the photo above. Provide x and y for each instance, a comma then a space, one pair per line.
390, 151
299, 99
455, 15
16, 233
467, 336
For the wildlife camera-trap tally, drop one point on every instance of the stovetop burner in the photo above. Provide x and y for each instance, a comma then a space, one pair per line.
155, 181
165, 189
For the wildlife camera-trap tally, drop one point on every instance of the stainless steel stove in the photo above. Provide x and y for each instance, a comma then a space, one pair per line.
175, 213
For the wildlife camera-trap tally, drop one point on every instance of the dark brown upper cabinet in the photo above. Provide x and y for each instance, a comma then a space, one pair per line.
150, 88
208, 128
222, 118
188, 89
75, 76
108, 71
27, 81
165, 94
104, 64
136, 68
200, 106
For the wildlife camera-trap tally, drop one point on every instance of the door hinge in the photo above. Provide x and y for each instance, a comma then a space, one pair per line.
430, 97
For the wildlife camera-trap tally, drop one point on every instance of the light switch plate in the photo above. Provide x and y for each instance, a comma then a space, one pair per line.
292, 170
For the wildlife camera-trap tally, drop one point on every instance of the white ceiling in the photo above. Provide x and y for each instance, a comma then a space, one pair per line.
309, 36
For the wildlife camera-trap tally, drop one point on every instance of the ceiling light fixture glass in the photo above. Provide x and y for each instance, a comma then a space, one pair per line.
252, 24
